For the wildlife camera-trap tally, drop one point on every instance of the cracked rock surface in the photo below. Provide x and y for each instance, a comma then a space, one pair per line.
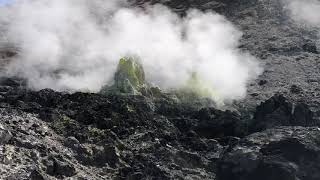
272, 134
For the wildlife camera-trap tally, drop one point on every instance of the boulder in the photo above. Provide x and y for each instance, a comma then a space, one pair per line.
287, 153
310, 47
58, 168
215, 123
128, 79
5, 135
278, 111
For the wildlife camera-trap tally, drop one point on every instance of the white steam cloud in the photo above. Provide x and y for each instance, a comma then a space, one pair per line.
76, 44
305, 11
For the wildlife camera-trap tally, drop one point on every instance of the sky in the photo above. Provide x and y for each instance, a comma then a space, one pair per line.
4, 1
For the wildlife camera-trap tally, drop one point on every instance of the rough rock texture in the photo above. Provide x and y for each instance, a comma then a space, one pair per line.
128, 79
286, 48
277, 111
53, 135
288, 51
288, 153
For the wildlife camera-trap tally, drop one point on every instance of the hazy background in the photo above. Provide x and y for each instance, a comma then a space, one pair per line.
305, 11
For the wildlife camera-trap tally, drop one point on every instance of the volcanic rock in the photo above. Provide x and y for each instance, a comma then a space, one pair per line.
310, 47
129, 77
5, 135
144, 133
289, 153
278, 111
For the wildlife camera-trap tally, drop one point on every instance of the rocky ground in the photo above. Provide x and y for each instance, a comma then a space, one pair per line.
272, 134
52, 135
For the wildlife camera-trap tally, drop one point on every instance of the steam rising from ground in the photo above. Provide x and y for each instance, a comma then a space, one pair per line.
305, 11
76, 45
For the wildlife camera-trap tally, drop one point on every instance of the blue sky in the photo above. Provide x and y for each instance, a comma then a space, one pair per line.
4, 1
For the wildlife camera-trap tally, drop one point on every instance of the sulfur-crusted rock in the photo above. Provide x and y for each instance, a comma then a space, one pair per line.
134, 131
129, 77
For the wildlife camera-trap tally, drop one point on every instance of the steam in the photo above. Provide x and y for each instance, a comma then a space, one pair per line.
75, 45
305, 11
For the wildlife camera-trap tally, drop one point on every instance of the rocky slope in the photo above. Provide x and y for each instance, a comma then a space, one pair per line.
288, 50
52, 135
272, 134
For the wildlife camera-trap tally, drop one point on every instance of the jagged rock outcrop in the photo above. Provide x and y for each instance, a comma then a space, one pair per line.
129, 77
53, 135
130, 135
277, 111
94, 136
288, 153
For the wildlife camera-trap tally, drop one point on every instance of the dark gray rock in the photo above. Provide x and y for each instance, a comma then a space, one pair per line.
310, 47
72, 143
5, 135
278, 111
57, 168
92, 136
296, 89
215, 123
37, 175
289, 153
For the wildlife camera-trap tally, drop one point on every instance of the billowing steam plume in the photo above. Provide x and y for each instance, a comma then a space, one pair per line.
76, 45
305, 11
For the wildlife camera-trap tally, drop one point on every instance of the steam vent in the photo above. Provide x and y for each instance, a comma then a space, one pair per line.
218, 90
129, 77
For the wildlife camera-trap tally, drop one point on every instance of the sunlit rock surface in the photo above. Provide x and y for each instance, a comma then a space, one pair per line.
272, 134
129, 77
